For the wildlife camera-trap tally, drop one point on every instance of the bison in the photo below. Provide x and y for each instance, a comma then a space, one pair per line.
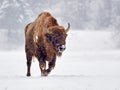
45, 39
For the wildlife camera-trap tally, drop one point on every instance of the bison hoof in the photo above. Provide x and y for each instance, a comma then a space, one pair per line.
44, 74
28, 75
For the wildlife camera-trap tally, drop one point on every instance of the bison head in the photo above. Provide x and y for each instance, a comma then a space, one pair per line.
57, 36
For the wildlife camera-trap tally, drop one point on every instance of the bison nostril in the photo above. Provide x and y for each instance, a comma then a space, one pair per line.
61, 47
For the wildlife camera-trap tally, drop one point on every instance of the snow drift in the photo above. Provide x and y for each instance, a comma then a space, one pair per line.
90, 62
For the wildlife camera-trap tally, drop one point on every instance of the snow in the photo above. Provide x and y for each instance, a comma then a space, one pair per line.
5, 4
90, 62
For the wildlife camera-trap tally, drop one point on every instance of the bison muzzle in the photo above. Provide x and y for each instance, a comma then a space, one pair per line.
45, 40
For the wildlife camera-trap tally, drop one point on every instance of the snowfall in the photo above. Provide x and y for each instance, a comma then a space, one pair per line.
91, 61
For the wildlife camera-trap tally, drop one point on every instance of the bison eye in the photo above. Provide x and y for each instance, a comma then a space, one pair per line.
49, 36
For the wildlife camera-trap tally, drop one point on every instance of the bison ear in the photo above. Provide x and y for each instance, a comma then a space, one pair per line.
67, 29
45, 29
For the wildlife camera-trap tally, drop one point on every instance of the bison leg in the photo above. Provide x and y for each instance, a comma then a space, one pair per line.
41, 55
51, 65
29, 59
42, 65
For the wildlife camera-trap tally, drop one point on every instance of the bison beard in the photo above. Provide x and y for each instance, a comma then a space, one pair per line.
45, 40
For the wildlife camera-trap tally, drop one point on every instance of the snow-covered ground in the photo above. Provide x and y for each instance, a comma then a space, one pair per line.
90, 62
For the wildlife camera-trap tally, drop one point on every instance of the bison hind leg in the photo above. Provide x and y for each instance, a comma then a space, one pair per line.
29, 60
28, 68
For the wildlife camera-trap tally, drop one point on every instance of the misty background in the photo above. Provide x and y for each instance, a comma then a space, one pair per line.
81, 14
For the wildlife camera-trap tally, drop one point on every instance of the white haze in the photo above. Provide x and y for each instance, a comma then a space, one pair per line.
90, 62
81, 14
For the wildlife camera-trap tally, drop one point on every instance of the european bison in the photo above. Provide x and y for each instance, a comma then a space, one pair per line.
45, 40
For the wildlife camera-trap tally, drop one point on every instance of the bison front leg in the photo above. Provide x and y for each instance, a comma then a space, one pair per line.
42, 65
51, 65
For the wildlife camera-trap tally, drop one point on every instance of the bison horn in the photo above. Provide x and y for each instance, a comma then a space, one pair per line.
68, 27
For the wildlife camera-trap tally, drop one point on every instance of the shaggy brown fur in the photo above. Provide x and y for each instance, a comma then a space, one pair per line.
44, 39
